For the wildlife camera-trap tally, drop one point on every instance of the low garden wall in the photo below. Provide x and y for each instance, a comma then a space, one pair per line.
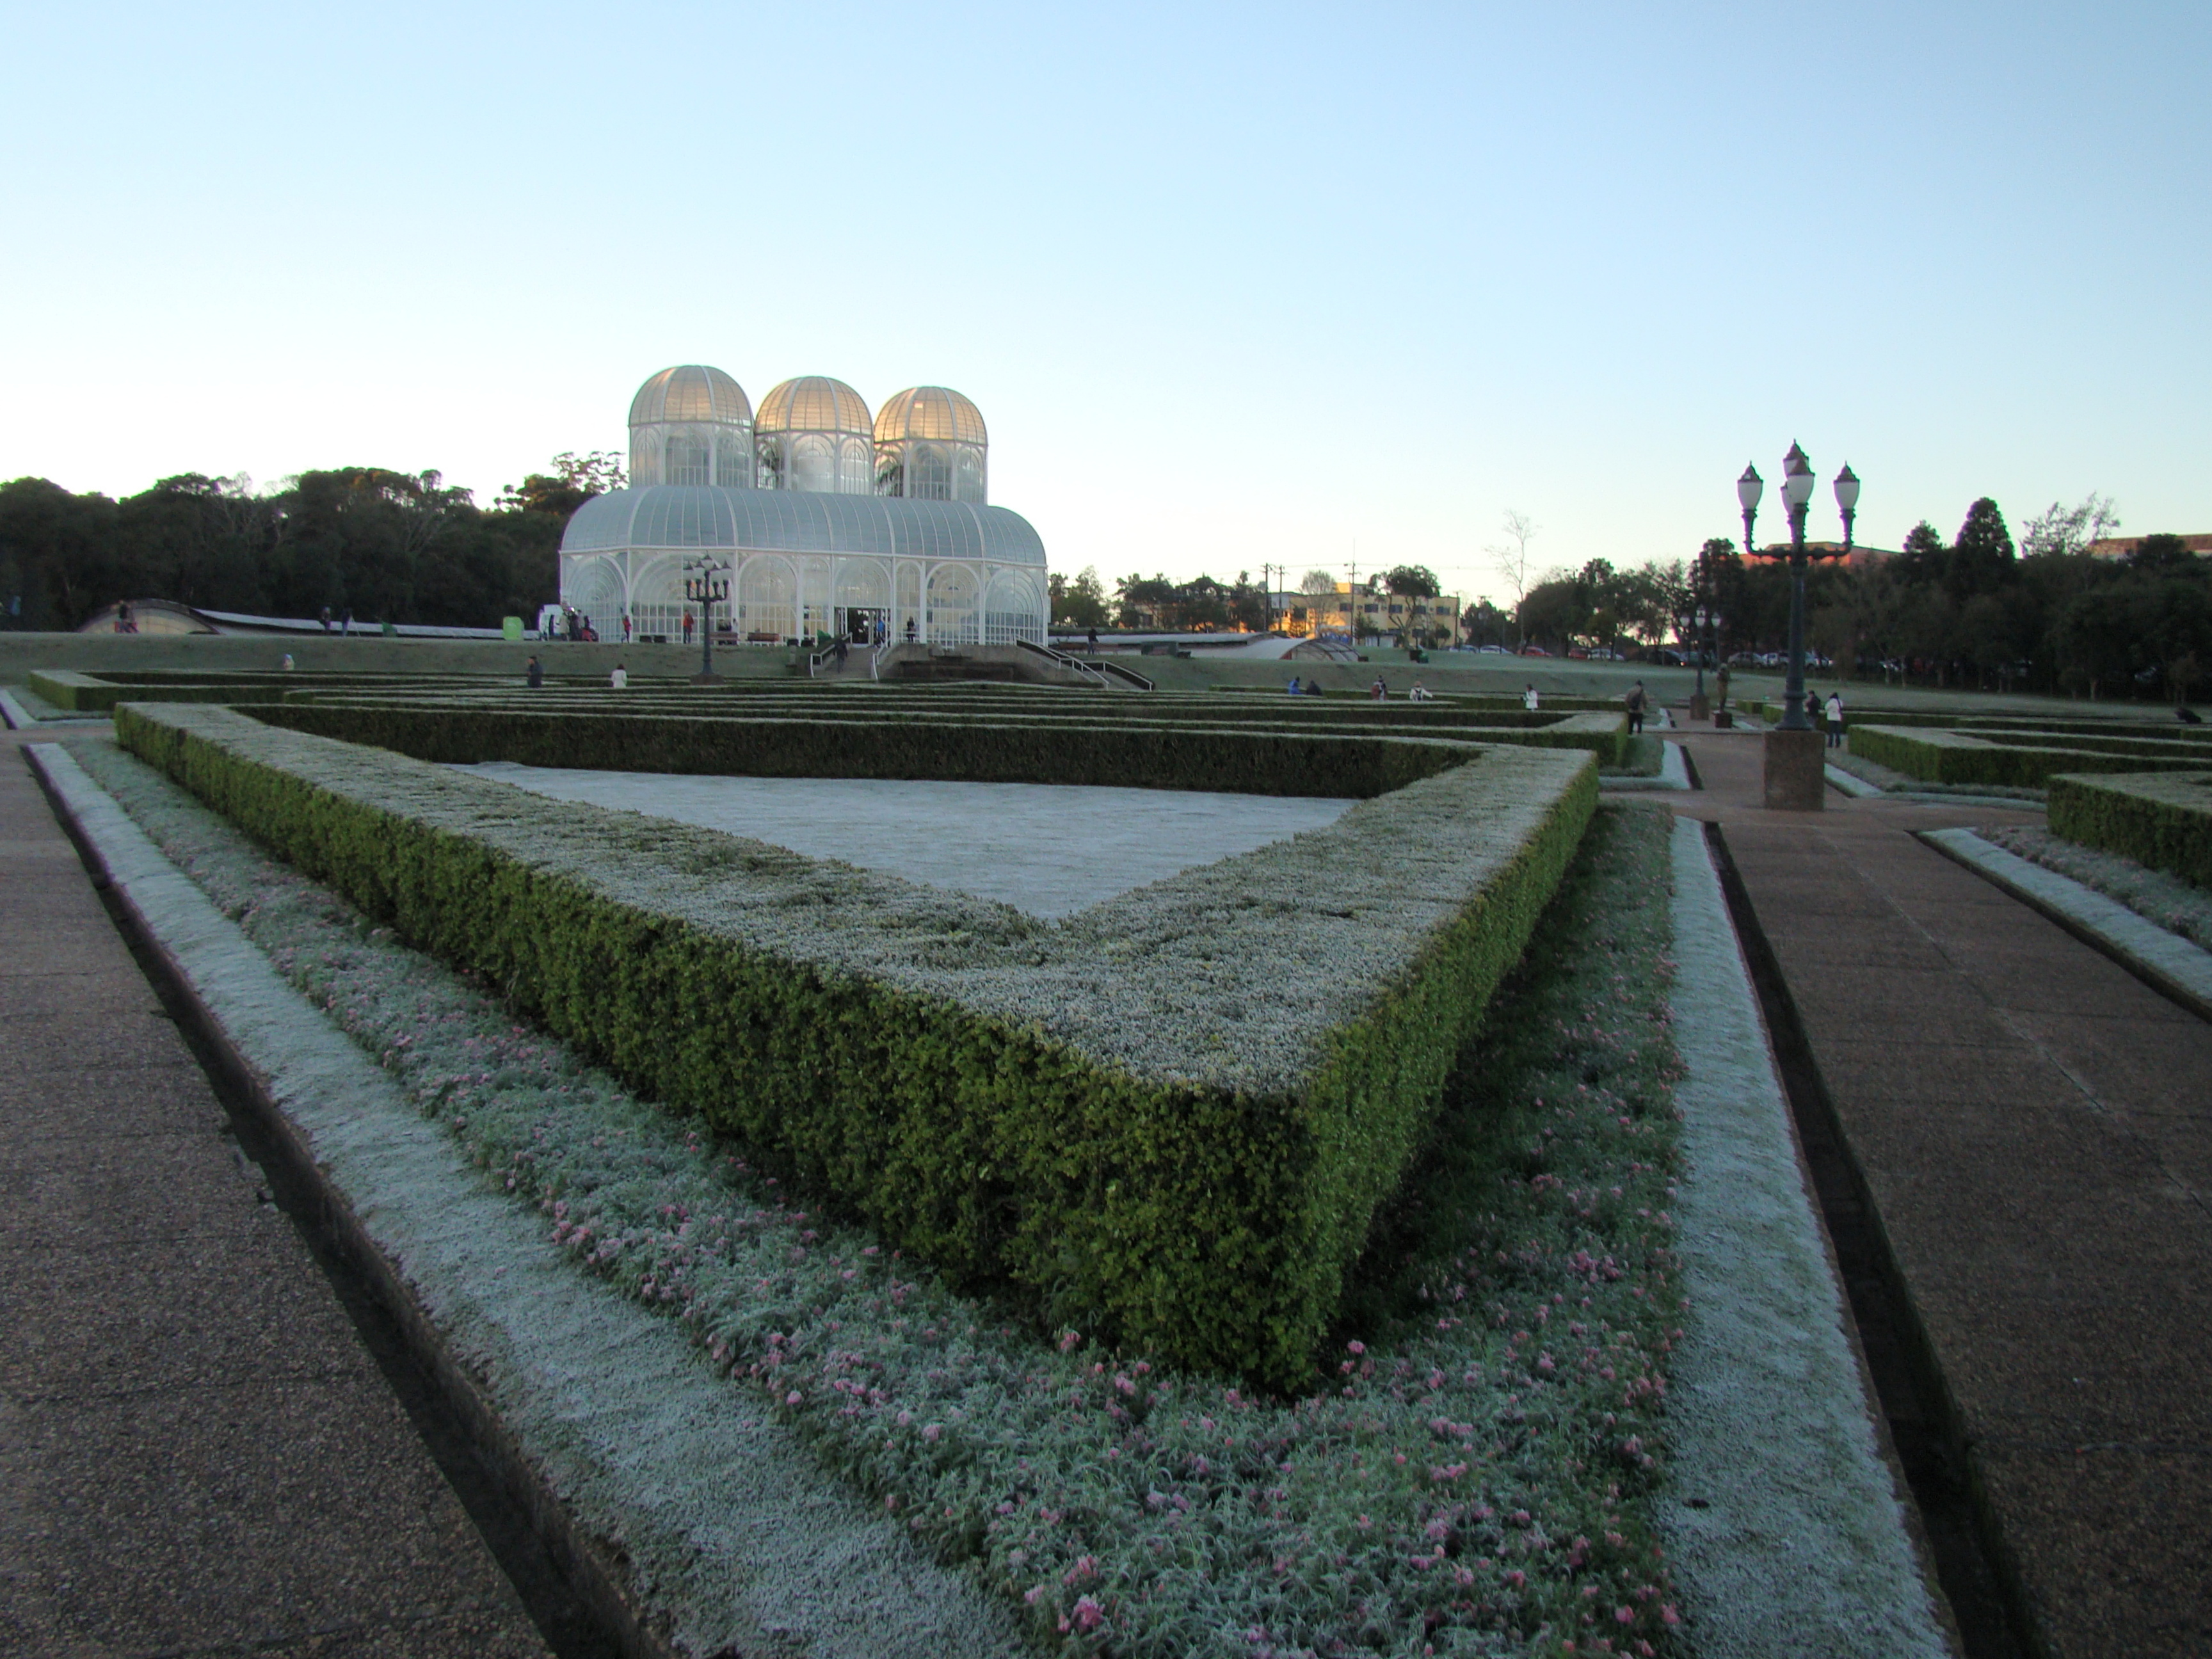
2159, 819
1166, 1122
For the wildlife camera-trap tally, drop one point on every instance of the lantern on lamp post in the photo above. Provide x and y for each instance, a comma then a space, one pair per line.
1795, 777
706, 583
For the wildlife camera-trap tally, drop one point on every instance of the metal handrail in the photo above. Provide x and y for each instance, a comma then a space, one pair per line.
1091, 666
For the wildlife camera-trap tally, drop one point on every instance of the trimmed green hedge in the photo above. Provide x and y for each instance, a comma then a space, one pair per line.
89, 693
2159, 819
2054, 724
1079, 741
1944, 756
1168, 1120
980, 752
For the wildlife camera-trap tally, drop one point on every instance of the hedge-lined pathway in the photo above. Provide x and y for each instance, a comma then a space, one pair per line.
196, 1453
2036, 1129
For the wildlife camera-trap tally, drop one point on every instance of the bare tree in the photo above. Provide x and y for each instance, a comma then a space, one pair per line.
1317, 581
2062, 529
1510, 557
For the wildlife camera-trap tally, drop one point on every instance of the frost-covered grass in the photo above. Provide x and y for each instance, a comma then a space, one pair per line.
1477, 1481
2168, 901
1643, 756
1888, 778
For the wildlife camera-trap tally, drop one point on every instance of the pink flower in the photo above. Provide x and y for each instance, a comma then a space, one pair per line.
792, 1398
1088, 1615
1356, 1346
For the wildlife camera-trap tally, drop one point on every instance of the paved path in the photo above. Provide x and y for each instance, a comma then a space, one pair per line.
2035, 1126
198, 1455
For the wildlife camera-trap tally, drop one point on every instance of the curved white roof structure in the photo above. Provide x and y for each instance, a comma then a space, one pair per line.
667, 516
821, 517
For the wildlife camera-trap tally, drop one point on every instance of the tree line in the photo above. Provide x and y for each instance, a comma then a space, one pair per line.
1980, 609
1204, 604
386, 546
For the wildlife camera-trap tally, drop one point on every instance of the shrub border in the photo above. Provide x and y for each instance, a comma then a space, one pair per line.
2162, 820
1205, 1217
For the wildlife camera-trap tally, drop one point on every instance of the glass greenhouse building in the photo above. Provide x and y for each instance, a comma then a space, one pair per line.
826, 519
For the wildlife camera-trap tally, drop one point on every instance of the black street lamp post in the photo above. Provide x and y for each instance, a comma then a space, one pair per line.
1794, 779
706, 584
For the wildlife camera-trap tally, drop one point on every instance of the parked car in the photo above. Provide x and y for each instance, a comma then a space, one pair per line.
1493, 651
1534, 651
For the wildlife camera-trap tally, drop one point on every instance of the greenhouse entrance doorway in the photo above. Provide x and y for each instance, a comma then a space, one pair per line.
858, 623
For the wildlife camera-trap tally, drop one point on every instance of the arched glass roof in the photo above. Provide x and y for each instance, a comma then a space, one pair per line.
692, 392
791, 521
936, 412
814, 403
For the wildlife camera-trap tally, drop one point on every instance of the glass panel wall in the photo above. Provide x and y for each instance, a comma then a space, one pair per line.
950, 612
767, 601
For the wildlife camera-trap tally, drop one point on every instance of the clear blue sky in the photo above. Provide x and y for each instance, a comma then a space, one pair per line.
1230, 284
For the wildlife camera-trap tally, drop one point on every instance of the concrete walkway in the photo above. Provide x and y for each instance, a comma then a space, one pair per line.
2034, 1127
198, 1453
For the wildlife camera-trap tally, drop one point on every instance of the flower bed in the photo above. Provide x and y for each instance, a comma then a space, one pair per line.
2161, 819
1475, 1478
1166, 1120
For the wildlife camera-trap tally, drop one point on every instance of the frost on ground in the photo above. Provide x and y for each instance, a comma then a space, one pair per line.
1471, 1474
1049, 849
1783, 1521
2171, 903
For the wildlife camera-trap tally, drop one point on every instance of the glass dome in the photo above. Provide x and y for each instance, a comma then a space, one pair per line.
932, 412
691, 425
814, 403
814, 434
931, 446
690, 392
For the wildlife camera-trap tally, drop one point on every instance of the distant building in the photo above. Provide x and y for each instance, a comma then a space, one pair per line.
2119, 547
1306, 615
1861, 558
826, 519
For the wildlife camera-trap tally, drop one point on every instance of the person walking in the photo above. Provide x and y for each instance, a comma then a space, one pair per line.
1636, 701
327, 619
1529, 699
909, 630
345, 626
687, 628
535, 674
1094, 641
1835, 719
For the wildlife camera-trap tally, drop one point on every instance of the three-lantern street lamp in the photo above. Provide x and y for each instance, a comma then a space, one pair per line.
1791, 780
706, 583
